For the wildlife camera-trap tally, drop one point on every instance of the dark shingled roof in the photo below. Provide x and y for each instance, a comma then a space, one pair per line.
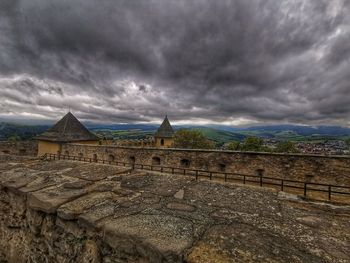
68, 129
165, 130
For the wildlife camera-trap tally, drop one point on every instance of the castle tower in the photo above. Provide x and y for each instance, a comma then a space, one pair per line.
67, 130
164, 137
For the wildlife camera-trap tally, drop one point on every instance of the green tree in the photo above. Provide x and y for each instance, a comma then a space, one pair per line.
347, 141
191, 139
286, 147
233, 146
253, 144
14, 138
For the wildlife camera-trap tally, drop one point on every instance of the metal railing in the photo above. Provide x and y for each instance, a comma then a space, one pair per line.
262, 181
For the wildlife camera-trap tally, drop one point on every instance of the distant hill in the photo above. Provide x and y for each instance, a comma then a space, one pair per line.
220, 136
24, 132
123, 127
218, 133
302, 130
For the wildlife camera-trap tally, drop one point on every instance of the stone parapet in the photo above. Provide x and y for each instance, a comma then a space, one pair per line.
311, 168
24, 148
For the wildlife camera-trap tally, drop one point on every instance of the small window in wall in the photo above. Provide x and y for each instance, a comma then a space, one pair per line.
308, 178
58, 152
132, 159
66, 153
6, 151
111, 158
155, 161
185, 163
259, 172
22, 151
205, 167
95, 158
222, 167
162, 142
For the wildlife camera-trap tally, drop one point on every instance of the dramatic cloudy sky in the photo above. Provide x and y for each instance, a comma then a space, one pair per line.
231, 62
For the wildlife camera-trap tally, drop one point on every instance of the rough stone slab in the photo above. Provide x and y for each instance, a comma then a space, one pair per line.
90, 218
16, 178
42, 181
245, 243
72, 210
181, 207
48, 200
158, 236
180, 194
167, 185
96, 172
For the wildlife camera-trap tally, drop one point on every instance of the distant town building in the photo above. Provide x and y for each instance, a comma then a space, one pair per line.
164, 137
68, 130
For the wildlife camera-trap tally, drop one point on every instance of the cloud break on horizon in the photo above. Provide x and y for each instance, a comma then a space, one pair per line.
200, 61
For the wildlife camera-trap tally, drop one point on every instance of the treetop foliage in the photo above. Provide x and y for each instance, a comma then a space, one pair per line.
191, 139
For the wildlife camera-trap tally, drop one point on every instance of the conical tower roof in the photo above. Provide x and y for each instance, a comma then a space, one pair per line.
165, 130
68, 129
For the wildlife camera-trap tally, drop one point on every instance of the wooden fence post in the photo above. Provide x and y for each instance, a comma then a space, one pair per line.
282, 185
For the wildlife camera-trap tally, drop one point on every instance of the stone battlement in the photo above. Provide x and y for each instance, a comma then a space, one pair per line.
25, 148
311, 168
65, 211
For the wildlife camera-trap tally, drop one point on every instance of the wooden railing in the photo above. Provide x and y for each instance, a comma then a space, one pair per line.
282, 184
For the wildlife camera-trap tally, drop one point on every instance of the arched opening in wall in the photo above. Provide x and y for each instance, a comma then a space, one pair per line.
308, 178
162, 142
259, 172
111, 158
132, 159
6, 151
222, 167
22, 151
80, 155
66, 153
204, 167
94, 157
185, 163
155, 160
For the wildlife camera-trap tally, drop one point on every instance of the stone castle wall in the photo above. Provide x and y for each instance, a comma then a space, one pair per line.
28, 148
319, 169
76, 212
312, 168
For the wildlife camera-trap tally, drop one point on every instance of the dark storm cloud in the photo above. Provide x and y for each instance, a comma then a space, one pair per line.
216, 61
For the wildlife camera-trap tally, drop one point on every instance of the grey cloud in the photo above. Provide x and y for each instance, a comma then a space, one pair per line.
272, 61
